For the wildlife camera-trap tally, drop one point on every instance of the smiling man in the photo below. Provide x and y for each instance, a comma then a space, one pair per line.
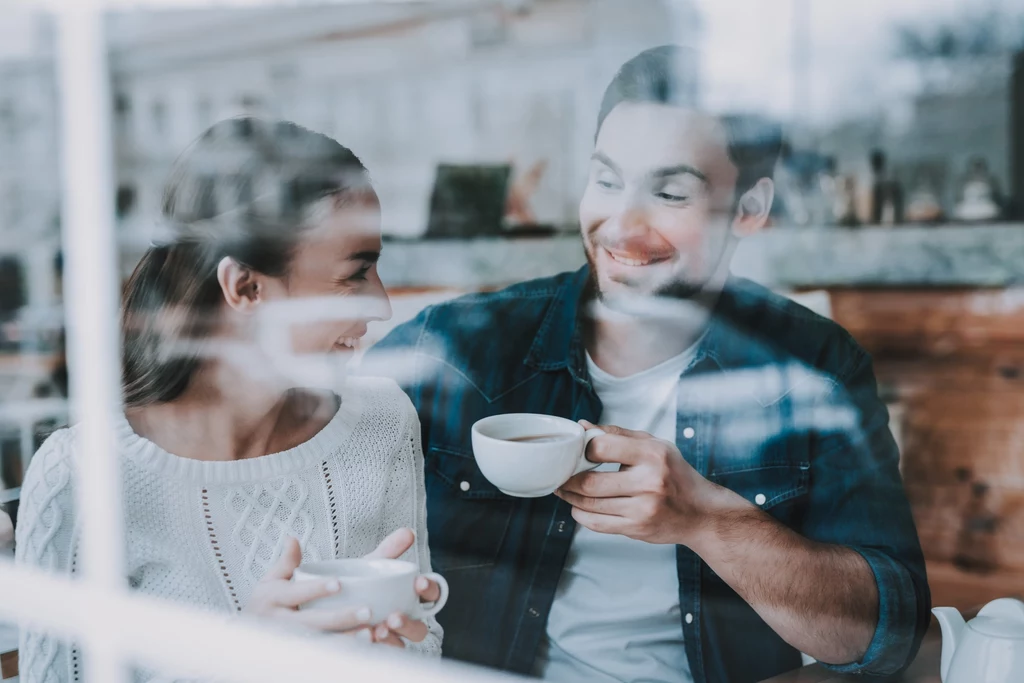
748, 505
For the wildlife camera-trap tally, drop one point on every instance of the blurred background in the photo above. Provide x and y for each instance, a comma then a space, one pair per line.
900, 207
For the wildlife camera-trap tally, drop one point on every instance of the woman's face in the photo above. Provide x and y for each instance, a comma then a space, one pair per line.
332, 289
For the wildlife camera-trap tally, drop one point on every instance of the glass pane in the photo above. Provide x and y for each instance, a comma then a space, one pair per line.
378, 259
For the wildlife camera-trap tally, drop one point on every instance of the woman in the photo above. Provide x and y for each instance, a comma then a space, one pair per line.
234, 443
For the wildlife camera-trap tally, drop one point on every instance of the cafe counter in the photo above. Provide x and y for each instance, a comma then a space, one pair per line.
983, 256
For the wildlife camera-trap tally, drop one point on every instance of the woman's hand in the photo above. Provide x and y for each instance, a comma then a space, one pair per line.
277, 597
398, 626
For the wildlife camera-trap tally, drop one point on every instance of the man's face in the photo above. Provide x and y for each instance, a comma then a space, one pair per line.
656, 212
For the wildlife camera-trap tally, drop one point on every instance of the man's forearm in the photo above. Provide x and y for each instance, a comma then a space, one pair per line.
820, 598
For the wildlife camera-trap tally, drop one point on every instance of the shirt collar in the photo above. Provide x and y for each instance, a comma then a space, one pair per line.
729, 342
559, 343
733, 339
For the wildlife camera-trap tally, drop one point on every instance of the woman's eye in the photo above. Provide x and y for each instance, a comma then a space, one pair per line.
358, 276
668, 197
606, 183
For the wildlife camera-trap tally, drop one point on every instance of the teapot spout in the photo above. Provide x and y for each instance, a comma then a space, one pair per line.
952, 625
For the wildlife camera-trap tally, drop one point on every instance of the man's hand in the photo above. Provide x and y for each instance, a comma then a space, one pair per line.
822, 599
655, 497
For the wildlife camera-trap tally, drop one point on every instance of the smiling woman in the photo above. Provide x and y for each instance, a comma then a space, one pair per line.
243, 450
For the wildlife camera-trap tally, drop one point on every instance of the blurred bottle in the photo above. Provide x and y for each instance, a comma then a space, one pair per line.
886, 193
826, 194
846, 202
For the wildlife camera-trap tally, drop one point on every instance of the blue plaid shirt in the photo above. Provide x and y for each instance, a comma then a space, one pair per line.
779, 406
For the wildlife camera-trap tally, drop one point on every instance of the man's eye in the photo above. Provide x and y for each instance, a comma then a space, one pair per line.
672, 197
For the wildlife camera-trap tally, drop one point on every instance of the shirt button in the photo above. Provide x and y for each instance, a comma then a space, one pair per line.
533, 612
561, 525
760, 499
689, 618
688, 433
464, 486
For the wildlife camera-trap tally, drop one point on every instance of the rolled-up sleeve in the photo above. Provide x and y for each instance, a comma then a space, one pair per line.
857, 500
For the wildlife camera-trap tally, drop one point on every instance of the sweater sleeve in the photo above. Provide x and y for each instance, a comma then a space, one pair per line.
406, 506
46, 540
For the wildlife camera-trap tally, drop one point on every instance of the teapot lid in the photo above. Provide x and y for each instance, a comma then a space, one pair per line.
998, 627
1002, 618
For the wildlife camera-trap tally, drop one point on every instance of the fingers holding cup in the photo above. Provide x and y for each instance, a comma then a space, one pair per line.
428, 590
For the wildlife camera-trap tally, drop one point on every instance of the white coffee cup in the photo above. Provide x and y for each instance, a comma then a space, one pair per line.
385, 586
528, 455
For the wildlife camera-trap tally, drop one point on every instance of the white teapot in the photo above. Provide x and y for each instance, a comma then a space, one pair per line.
988, 649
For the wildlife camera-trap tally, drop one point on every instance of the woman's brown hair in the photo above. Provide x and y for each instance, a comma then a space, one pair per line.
245, 189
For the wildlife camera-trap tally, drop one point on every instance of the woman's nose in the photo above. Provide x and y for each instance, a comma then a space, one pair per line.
381, 309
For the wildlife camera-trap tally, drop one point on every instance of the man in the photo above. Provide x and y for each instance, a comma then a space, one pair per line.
749, 505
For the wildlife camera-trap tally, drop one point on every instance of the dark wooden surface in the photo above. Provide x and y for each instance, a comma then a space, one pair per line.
924, 669
954, 359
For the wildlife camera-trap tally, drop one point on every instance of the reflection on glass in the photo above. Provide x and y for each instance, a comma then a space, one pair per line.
785, 135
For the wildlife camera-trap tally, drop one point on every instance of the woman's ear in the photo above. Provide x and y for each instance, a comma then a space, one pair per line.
754, 208
241, 286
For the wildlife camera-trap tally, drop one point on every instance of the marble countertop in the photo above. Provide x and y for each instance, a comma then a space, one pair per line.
909, 256
795, 258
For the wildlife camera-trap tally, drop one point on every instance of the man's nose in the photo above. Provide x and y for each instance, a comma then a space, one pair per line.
631, 216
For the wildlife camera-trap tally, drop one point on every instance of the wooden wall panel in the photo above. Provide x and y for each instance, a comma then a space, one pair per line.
971, 525
945, 455
932, 322
955, 361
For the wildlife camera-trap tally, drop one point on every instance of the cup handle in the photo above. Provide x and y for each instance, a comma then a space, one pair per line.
585, 465
430, 609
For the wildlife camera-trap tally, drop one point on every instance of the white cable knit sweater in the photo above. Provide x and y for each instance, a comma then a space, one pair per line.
204, 533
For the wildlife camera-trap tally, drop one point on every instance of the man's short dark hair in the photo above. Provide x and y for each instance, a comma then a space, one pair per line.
668, 75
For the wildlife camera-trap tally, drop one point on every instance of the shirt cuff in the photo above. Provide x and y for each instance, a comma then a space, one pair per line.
893, 644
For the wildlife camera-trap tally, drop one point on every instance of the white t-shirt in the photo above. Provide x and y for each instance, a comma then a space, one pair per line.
616, 614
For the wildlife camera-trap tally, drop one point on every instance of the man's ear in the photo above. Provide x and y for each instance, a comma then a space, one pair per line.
242, 287
754, 208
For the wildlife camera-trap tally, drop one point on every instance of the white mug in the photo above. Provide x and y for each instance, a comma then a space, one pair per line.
528, 455
385, 586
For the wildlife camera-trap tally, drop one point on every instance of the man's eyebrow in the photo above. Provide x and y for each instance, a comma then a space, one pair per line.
664, 172
604, 159
368, 256
679, 169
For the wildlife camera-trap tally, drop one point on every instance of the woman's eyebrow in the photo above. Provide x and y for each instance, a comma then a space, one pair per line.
369, 256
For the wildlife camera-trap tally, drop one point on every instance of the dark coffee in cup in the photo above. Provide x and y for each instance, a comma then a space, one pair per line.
539, 438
